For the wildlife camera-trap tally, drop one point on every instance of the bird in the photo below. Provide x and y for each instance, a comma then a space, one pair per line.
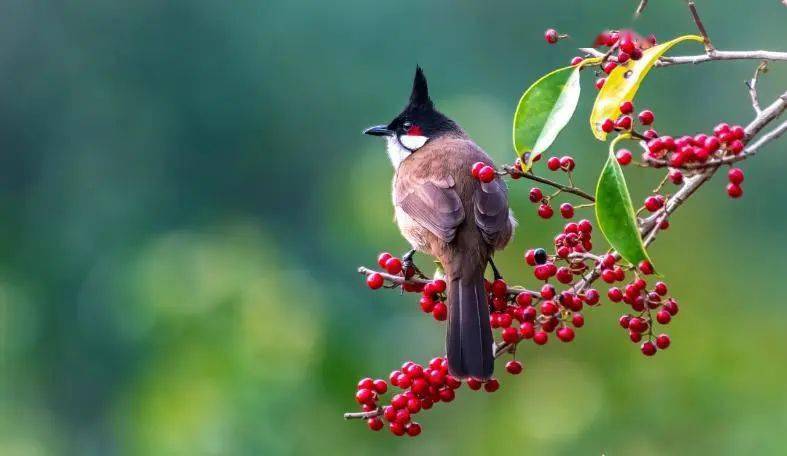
445, 212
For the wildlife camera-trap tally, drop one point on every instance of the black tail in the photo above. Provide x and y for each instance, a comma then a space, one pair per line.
469, 342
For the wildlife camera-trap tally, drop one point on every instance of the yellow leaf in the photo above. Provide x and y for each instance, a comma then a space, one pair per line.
623, 83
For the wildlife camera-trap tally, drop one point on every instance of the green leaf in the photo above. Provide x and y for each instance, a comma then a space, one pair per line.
544, 109
615, 213
624, 81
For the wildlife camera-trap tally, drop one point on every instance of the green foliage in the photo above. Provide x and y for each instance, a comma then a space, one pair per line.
615, 212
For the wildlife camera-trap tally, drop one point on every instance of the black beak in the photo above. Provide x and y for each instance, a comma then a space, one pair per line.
378, 130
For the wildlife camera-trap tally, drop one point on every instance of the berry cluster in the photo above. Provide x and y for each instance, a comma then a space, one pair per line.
483, 172
628, 45
565, 164
625, 121
422, 387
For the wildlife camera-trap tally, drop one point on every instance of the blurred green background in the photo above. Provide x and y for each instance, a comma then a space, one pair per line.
186, 195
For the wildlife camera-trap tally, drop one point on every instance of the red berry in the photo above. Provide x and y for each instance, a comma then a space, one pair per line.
474, 384
366, 383
536, 195
565, 334
514, 367
365, 396
476, 168
547, 291
553, 163
491, 385
375, 423
721, 128
646, 117
524, 299
608, 276
662, 341
374, 281
526, 330
447, 394
413, 429
735, 175
648, 349
564, 275
645, 267
545, 211
393, 265
626, 107
548, 308
440, 311
566, 210
663, 317
735, 146
600, 82
624, 321
671, 306
654, 203
380, 386
486, 174
636, 54
427, 304
551, 36
623, 156
734, 190
530, 257
396, 428
615, 295
578, 320
627, 44
738, 132
499, 288
510, 335
607, 125
623, 57
540, 338
675, 176
567, 163
591, 296
576, 60
609, 66
383, 258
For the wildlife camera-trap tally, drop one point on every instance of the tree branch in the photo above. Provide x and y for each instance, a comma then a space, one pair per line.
700, 26
716, 55
569, 189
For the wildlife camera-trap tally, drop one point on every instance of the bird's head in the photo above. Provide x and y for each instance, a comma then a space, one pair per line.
418, 123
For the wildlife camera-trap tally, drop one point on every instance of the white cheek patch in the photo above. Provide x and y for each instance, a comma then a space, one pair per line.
396, 152
413, 142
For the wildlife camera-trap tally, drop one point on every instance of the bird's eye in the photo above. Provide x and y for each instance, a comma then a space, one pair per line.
407, 125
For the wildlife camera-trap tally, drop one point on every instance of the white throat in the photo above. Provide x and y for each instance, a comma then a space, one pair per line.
401, 147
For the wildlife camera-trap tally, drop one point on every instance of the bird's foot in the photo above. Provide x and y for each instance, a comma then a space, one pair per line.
409, 269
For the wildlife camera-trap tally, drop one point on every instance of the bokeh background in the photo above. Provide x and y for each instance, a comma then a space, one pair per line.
185, 196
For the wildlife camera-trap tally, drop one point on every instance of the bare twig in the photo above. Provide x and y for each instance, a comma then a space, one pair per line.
717, 55
752, 85
399, 280
641, 7
701, 27
569, 189
363, 415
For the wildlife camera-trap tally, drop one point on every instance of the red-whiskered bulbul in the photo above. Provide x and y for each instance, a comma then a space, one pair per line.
443, 211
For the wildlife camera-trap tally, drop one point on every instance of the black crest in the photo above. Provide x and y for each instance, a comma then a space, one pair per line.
420, 93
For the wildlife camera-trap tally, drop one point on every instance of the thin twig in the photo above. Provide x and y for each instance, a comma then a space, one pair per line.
693, 8
752, 85
717, 55
570, 189
641, 7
